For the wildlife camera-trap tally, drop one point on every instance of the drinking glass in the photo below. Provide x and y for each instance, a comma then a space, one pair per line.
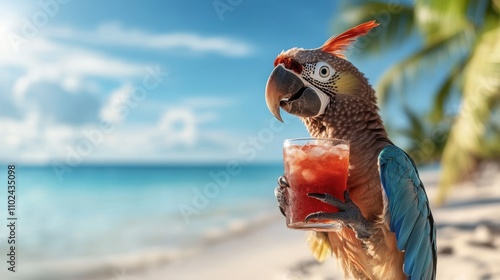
314, 165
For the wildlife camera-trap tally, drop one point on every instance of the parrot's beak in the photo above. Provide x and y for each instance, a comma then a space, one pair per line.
287, 90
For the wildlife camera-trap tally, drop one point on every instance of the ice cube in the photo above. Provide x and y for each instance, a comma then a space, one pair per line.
294, 154
340, 151
308, 175
343, 147
317, 151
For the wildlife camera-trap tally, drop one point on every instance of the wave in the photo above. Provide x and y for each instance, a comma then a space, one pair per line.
236, 228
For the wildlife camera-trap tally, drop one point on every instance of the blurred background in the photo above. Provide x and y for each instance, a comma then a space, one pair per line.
140, 133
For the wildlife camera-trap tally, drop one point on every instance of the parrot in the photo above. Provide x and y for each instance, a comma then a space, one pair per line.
388, 229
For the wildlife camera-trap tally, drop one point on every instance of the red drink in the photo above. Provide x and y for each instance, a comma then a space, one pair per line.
314, 166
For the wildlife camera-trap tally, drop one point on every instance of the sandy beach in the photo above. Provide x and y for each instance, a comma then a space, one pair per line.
468, 247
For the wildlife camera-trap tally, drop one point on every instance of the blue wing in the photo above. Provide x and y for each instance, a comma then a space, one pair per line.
410, 215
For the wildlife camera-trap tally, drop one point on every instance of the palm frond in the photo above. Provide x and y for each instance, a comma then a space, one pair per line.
394, 80
426, 142
481, 90
491, 147
445, 90
437, 19
396, 24
416, 130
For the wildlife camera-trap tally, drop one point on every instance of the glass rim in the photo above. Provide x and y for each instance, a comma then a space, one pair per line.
337, 140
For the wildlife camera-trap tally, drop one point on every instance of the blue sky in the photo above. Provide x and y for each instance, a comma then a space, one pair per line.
178, 81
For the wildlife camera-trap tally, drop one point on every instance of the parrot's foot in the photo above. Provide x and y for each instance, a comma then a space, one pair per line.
279, 192
348, 213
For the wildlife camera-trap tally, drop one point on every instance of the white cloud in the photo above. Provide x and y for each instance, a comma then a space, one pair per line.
114, 34
179, 126
112, 111
179, 135
17, 132
180, 132
52, 102
29, 140
71, 67
53, 88
54, 82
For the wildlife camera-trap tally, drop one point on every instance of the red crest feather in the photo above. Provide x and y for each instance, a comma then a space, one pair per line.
338, 45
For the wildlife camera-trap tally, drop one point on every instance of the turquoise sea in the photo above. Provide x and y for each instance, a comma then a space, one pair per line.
104, 210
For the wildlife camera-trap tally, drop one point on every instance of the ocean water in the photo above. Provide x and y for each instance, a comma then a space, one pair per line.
100, 211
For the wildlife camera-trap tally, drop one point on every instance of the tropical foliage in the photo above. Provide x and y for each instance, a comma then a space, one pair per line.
462, 37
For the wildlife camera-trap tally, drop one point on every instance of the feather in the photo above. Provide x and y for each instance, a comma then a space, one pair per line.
320, 246
347, 83
338, 45
411, 219
424, 258
406, 228
414, 242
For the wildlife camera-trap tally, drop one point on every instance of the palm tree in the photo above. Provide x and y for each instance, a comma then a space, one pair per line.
467, 34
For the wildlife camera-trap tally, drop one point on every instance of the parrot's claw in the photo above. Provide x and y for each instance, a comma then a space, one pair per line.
349, 214
279, 193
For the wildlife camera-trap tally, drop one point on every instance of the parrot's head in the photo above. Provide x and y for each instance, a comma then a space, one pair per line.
312, 84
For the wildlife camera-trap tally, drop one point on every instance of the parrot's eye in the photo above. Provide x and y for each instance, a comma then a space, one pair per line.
323, 71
